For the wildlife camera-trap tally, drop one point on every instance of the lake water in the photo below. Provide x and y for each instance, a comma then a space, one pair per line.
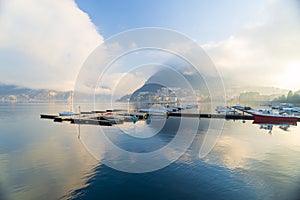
40, 159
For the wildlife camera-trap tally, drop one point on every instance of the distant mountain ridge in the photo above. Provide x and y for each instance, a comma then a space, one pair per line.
14, 93
170, 79
169, 84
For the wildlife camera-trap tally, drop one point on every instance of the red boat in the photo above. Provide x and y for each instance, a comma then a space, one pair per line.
274, 119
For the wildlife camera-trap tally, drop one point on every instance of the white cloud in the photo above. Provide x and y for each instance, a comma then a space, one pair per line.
44, 43
120, 84
264, 53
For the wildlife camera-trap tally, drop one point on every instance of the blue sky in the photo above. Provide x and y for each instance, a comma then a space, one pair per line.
240, 36
43, 44
201, 20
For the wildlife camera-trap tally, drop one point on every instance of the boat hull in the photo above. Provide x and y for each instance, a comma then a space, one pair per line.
66, 113
275, 119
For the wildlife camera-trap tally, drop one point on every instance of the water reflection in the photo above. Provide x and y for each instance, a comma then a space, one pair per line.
270, 126
267, 127
244, 164
285, 127
269, 164
141, 146
39, 159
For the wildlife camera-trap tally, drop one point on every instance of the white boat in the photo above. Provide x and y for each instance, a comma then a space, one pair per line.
190, 106
296, 109
225, 110
113, 118
171, 109
286, 108
158, 110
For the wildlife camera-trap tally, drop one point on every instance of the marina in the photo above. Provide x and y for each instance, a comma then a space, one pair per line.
110, 117
246, 157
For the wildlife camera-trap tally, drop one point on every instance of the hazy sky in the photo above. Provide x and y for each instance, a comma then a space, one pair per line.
43, 43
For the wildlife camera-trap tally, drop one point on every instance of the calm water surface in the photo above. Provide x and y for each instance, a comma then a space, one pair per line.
40, 159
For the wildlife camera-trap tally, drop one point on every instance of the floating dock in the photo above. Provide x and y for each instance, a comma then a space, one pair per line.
99, 118
216, 116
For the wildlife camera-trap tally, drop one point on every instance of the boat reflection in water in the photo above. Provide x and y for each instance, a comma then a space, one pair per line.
270, 125
267, 119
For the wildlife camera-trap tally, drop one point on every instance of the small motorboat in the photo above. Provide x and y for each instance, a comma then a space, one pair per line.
113, 117
225, 110
66, 113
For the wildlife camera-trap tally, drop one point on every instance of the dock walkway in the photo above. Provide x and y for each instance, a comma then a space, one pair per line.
96, 117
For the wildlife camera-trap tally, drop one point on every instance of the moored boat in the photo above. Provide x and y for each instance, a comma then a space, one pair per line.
66, 113
274, 119
225, 110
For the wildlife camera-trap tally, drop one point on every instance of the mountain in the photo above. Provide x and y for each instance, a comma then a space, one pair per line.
155, 88
148, 87
181, 83
14, 93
